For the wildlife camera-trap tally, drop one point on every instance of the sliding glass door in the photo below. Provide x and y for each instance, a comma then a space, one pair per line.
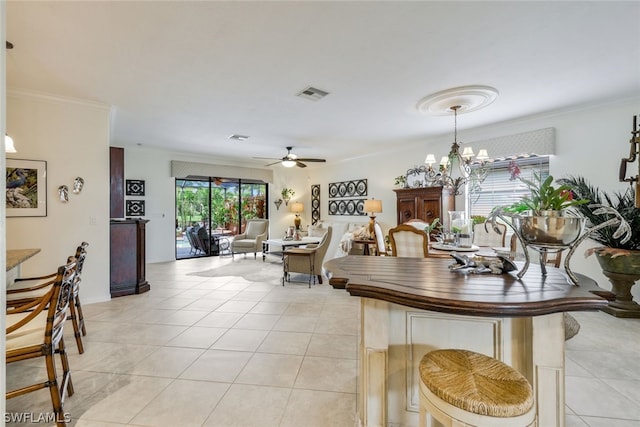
211, 211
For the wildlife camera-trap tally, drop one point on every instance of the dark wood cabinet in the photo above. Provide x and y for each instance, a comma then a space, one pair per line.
127, 275
424, 203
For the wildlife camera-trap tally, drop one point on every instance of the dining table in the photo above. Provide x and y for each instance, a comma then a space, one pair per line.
14, 259
410, 306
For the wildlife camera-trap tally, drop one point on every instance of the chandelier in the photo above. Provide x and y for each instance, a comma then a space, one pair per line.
454, 171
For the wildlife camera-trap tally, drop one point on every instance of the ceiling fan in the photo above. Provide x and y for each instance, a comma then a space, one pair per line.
291, 160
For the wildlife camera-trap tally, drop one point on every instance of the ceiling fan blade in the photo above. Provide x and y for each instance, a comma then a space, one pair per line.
312, 160
274, 163
300, 164
266, 158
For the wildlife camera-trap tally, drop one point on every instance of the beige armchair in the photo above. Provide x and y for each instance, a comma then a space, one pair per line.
251, 240
307, 260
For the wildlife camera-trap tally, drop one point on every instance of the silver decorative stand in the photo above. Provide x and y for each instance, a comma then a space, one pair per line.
549, 234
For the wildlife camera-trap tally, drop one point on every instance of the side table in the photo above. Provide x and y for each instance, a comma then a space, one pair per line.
366, 243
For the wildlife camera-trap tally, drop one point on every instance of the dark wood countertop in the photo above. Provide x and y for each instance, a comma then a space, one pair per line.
428, 284
17, 256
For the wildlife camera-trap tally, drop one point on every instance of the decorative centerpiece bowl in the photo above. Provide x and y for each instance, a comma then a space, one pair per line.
541, 221
549, 229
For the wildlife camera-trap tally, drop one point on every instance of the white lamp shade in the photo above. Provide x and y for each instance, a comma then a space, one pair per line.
467, 153
482, 155
297, 207
373, 206
444, 161
431, 159
288, 163
8, 144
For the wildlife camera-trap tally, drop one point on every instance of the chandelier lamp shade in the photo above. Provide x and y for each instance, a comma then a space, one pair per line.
8, 144
297, 208
373, 207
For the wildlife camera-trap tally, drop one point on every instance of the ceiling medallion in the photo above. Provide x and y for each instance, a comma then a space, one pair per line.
469, 98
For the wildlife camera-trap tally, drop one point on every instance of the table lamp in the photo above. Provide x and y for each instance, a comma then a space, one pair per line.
372, 206
297, 208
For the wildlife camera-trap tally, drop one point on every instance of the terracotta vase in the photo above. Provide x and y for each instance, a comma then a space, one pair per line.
622, 268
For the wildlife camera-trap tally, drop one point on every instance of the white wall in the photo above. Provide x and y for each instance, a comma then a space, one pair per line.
590, 141
73, 138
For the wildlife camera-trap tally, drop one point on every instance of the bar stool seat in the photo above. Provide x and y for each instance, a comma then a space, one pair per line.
464, 388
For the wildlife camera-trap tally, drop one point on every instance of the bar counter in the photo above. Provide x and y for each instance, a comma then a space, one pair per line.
414, 305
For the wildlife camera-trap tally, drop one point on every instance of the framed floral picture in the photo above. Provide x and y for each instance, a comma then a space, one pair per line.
26, 187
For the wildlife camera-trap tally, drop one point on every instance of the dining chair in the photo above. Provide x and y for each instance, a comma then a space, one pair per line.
36, 329
26, 289
75, 308
381, 248
485, 235
408, 241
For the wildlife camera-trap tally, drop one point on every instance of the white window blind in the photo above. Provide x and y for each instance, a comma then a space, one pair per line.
500, 188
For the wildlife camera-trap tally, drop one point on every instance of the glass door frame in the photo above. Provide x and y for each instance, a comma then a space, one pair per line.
218, 226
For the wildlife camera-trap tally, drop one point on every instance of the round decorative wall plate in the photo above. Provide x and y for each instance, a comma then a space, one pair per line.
361, 188
351, 188
342, 189
342, 207
333, 208
351, 207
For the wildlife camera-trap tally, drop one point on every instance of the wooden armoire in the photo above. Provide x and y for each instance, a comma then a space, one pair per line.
424, 203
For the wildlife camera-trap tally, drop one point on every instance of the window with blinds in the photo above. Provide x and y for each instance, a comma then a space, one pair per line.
501, 185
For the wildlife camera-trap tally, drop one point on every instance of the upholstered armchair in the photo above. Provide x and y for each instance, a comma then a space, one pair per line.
307, 260
256, 232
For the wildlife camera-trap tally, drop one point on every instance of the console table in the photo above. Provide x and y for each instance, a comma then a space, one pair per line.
410, 306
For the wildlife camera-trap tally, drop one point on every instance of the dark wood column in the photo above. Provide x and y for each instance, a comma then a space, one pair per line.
116, 163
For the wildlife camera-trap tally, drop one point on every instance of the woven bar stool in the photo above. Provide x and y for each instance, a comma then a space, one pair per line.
463, 388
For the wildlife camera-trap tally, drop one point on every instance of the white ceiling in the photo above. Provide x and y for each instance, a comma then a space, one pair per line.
185, 75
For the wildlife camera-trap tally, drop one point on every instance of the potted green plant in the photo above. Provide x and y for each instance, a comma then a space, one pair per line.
619, 253
400, 181
545, 198
541, 216
287, 194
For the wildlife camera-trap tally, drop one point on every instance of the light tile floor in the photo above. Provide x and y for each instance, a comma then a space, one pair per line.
224, 351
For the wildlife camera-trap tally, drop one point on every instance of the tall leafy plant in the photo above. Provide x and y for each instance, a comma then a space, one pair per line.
622, 202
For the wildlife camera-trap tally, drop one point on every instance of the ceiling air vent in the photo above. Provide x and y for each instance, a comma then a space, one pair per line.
313, 93
238, 137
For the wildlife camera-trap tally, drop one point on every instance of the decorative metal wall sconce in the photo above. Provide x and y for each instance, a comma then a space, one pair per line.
634, 153
78, 183
63, 193
277, 203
